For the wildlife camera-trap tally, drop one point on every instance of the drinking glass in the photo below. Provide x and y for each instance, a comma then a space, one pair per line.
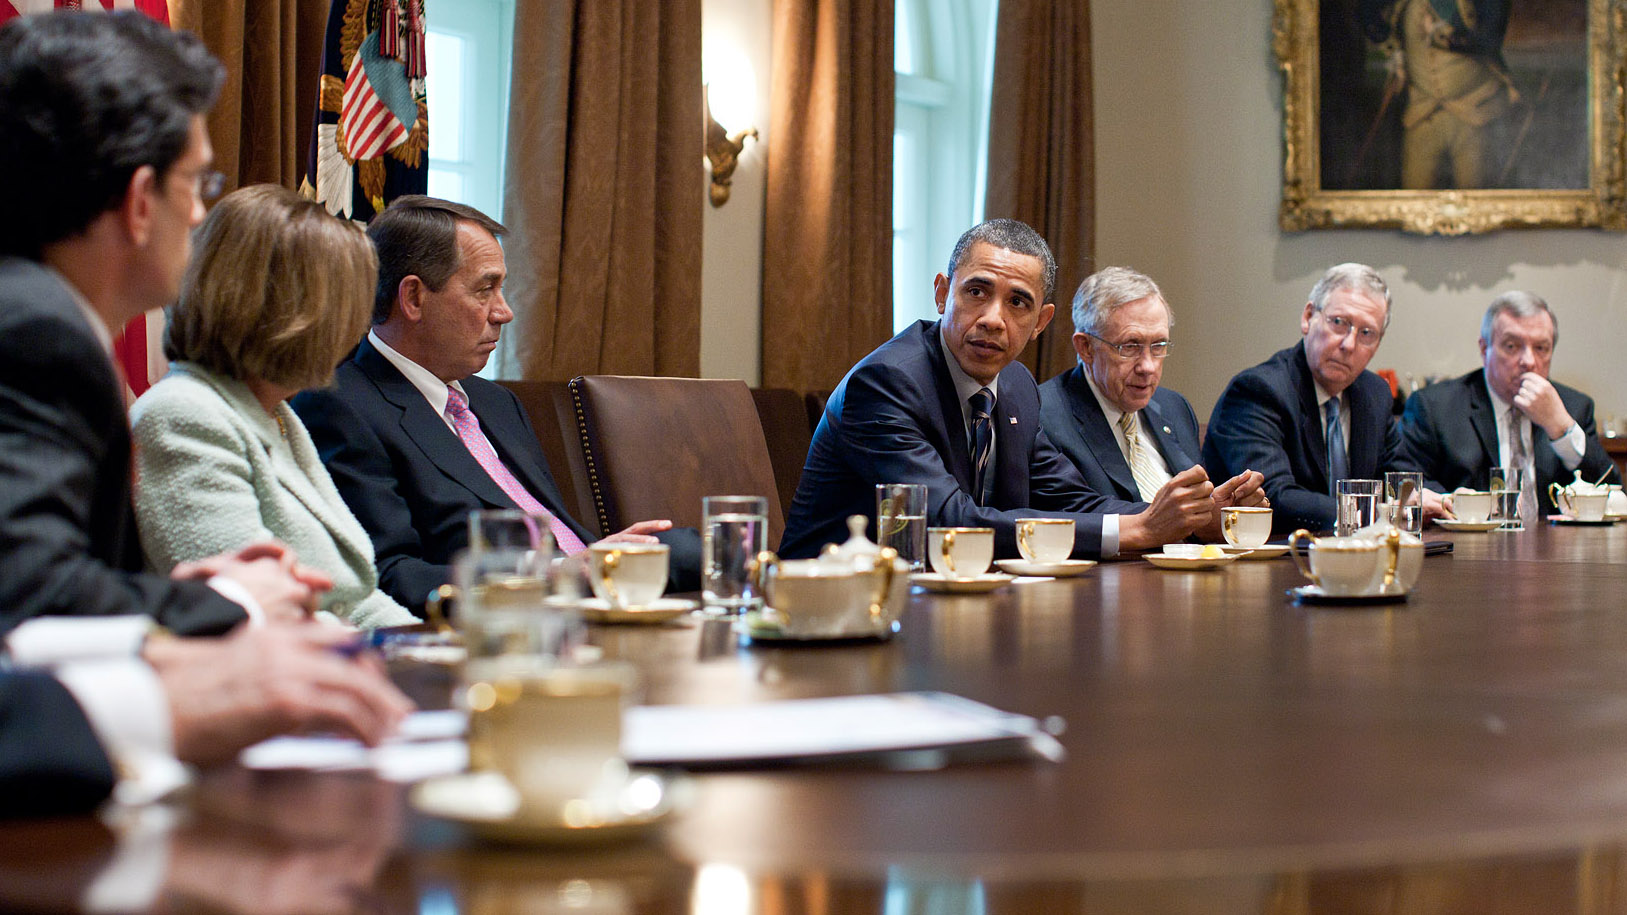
1358, 504
1505, 486
505, 612
509, 529
735, 530
1406, 513
901, 521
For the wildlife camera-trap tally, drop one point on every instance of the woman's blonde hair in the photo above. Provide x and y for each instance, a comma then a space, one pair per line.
277, 289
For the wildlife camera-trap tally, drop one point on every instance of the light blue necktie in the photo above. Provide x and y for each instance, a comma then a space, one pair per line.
1338, 461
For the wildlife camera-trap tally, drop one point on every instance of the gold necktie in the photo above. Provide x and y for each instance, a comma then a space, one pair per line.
1142, 465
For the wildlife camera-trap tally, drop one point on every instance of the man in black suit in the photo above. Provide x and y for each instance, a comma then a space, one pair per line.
1312, 414
945, 404
1125, 434
1507, 413
413, 438
105, 154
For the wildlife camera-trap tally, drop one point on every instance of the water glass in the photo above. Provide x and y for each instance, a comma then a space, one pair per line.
505, 613
734, 530
1405, 513
1504, 484
509, 529
901, 521
1358, 504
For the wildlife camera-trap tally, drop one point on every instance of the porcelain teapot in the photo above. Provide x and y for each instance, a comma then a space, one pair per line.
848, 591
1361, 564
1581, 499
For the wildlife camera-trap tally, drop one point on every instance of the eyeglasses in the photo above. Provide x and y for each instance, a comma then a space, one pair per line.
1132, 351
1366, 337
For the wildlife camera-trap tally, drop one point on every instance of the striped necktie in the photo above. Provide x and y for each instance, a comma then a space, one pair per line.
1142, 466
982, 440
468, 429
1338, 460
1518, 457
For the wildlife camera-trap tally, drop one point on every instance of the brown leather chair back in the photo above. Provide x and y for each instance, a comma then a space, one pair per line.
785, 426
553, 416
814, 402
654, 447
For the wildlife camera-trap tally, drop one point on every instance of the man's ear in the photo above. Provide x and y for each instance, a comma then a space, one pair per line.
1046, 313
135, 209
409, 298
1081, 346
940, 291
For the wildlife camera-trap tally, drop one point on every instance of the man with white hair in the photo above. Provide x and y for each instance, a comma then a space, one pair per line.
1107, 414
1507, 413
1312, 414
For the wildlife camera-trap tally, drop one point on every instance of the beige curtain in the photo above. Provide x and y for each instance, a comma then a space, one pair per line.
1041, 148
261, 126
827, 246
605, 185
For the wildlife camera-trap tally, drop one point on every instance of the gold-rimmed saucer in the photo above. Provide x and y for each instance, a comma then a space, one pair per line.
1067, 568
1255, 553
1452, 524
489, 806
1189, 563
976, 584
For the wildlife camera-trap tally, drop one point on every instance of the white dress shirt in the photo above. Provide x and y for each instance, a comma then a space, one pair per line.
1568, 448
1113, 414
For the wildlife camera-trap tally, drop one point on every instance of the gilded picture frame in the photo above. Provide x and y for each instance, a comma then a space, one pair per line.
1360, 129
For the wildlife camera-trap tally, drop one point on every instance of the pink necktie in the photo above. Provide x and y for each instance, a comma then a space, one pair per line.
468, 429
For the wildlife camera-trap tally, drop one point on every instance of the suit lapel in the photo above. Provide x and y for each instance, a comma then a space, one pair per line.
428, 431
948, 418
1163, 436
1310, 418
1483, 417
1098, 435
516, 446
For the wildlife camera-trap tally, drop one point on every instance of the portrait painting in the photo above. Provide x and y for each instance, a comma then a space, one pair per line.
1451, 116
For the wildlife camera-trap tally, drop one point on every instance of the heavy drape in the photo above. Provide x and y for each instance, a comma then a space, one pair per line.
827, 246
604, 188
261, 126
1041, 148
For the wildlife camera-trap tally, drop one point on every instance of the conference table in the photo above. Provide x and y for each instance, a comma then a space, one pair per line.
1227, 750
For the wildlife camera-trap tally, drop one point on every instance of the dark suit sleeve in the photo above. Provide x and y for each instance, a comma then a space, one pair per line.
361, 470
50, 760
56, 407
1248, 431
1421, 438
882, 434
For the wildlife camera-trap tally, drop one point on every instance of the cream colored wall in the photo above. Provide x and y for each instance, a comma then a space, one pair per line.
1188, 159
731, 273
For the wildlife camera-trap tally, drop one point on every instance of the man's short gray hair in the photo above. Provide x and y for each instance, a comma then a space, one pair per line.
1011, 235
1108, 289
1519, 304
1351, 276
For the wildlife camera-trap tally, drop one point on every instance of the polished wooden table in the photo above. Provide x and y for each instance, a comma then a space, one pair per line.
1227, 751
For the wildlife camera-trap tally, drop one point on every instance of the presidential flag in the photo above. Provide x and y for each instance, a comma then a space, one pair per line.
139, 350
371, 142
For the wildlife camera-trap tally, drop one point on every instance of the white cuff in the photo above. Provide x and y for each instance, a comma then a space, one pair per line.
50, 640
129, 712
1571, 446
1110, 536
234, 591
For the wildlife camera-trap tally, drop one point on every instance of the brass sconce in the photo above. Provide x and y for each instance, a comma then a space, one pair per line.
722, 151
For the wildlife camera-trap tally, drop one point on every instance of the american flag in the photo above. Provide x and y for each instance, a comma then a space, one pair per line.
139, 349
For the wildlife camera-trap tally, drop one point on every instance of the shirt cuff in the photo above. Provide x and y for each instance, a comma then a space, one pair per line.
1110, 536
50, 640
129, 713
234, 591
1571, 446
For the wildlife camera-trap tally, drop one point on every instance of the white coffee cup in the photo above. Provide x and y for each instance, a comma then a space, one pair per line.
1347, 566
960, 552
1589, 506
1471, 506
628, 574
1246, 525
810, 597
554, 732
1045, 540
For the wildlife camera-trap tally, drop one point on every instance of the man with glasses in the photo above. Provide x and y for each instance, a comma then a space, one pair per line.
1507, 414
1312, 414
1127, 436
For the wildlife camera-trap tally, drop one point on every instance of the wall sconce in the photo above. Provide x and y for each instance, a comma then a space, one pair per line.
723, 152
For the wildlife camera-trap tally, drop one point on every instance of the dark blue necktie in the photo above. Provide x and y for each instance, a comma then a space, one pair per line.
1338, 461
982, 438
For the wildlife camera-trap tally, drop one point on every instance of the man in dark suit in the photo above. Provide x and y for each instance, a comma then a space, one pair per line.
1507, 413
1312, 414
413, 438
945, 404
1125, 434
105, 154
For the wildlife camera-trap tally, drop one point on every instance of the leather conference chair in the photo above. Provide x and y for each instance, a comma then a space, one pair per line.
654, 447
553, 416
814, 401
785, 426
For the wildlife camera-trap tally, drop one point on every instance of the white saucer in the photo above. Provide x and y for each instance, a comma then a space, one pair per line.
1067, 568
759, 628
1193, 563
1252, 553
1455, 525
489, 805
660, 610
980, 584
1313, 594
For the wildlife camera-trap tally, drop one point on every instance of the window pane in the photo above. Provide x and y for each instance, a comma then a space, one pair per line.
903, 37
445, 87
447, 185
